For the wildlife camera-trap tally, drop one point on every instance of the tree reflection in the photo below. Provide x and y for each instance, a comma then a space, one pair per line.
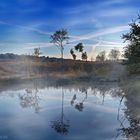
132, 130
73, 99
121, 119
103, 93
80, 105
61, 125
30, 99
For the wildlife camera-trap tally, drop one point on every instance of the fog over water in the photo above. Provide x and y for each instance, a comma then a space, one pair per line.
41, 109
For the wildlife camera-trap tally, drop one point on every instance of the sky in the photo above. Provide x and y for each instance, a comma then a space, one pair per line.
98, 24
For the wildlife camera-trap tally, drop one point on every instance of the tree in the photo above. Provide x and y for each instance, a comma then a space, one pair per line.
84, 56
73, 55
114, 54
132, 50
36, 52
101, 56
60, 38
79, 47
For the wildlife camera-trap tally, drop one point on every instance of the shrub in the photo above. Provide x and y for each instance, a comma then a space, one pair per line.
134, 68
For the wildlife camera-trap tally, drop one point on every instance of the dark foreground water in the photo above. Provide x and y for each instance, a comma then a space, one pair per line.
71, 112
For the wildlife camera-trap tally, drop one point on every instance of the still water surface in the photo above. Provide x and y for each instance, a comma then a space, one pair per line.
72, 112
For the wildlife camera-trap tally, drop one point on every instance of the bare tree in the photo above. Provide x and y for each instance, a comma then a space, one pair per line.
36, 52
101, 56
114, 54
60, 38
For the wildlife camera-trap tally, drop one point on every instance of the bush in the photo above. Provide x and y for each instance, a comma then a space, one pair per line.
134, 68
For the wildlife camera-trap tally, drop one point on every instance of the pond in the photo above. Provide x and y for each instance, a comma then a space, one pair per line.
37, 110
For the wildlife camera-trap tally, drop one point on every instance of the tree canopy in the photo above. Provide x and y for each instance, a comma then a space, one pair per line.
132, 49
73, 54
84, 56
79, 47
60, 38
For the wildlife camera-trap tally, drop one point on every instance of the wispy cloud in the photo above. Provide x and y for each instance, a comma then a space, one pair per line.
112, 2
34, 29
100, 33
89, 36
27, 28
37, 45
118, 12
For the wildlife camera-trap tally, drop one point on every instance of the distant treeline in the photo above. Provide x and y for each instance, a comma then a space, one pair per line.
11, 56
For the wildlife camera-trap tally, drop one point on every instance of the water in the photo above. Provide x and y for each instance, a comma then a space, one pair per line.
30, 111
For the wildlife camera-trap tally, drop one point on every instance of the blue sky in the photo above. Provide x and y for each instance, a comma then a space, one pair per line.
99, 24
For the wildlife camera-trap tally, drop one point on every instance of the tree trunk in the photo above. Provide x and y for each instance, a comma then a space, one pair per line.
62, 49
62, 52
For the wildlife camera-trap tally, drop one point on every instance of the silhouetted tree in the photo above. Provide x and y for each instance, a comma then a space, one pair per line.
73, 55
79, 47
101, 56
84, 56
60, 38
114, 54
71, 51
132, 50
36, 52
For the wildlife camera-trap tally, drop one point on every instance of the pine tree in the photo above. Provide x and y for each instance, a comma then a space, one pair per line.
132, 50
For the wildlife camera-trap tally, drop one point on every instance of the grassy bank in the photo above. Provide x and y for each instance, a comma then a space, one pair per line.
134, 68
35, 68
